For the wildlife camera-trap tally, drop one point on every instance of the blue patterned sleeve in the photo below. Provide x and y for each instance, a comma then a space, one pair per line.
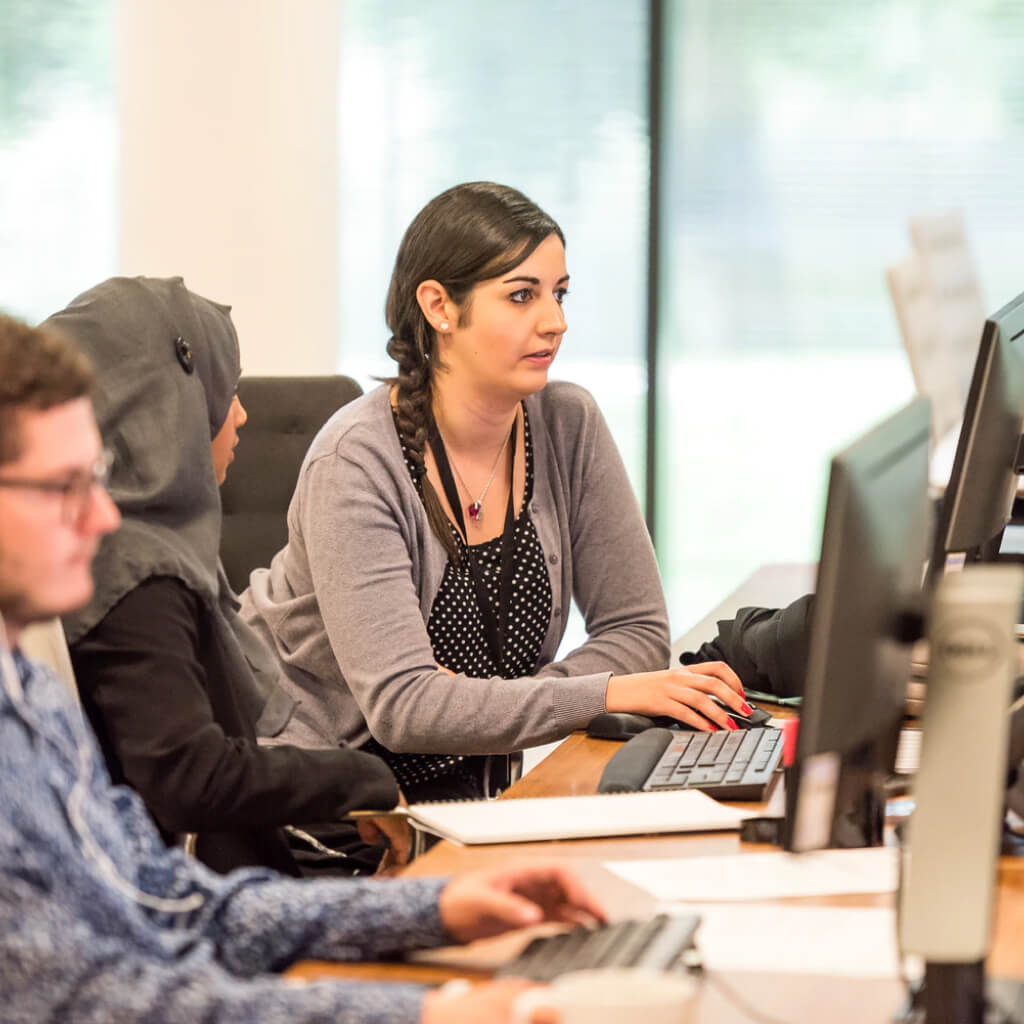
53, 968
99, 921
260, 921
266, 926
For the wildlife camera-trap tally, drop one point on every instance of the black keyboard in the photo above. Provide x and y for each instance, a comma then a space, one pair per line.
727, 765
658, 944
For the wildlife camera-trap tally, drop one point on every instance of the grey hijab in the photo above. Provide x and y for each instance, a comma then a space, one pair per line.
167, 365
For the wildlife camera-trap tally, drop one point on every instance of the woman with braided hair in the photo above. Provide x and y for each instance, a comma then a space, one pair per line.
442, 524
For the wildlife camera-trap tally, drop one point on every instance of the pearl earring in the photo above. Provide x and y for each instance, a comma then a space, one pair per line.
444, 325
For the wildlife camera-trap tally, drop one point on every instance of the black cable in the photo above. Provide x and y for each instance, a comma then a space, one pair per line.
736, 998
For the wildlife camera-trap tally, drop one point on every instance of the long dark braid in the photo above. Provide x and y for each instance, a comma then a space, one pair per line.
470, 233
414, 394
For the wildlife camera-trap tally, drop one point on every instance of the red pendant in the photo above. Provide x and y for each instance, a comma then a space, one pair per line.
474, 510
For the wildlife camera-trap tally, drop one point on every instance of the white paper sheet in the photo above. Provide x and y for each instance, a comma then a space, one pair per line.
763, 876
844, 941
575, 817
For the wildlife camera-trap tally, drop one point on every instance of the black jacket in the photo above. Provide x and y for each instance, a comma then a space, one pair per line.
154, 683
766, 647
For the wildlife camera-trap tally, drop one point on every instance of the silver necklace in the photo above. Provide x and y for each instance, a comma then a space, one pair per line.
475, 509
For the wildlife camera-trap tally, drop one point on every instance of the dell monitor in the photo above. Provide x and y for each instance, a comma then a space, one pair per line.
866, 615
978, 502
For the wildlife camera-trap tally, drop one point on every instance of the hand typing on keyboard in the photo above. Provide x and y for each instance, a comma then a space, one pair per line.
485, 903
490, 902
659, 943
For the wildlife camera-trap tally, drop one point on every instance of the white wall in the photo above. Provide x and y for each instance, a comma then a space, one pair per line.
228, 163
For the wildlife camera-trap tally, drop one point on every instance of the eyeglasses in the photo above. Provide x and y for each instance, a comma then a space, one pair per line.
75, 491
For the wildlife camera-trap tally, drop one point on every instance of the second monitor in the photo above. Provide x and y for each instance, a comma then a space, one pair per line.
978, 501
867, 613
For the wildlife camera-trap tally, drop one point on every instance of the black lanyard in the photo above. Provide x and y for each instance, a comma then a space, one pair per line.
494, 627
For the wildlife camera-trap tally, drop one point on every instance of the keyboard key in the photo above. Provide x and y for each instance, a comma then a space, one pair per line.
693, 751
748, 745
679, 779
534, 958
729, 748
711, 748
670, 758
565, 953
656, 944
632, 945
671, 942
602, 943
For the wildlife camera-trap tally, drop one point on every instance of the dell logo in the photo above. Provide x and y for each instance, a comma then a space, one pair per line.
968, 646
956, 649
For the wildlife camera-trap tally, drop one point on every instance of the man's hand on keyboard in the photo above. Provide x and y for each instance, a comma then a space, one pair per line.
489, 902
681, 693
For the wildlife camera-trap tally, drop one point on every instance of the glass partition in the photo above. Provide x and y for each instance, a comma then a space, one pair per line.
58, 152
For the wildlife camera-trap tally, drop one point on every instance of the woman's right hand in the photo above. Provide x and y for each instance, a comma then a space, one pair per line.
681, 693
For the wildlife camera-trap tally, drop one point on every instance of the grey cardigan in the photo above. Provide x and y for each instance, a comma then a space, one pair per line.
345, 603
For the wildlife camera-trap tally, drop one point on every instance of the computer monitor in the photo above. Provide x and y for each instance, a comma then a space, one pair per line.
866, 615
979, 498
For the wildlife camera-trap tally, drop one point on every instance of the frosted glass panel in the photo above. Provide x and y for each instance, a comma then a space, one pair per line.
550, 98
58, 200
800, 137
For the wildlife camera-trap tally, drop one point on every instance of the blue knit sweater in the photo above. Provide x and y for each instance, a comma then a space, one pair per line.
100, 922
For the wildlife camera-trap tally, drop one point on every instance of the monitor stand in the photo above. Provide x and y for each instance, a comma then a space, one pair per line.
837, 801
961, 994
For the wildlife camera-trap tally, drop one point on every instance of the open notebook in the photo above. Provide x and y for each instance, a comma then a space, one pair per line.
571, 817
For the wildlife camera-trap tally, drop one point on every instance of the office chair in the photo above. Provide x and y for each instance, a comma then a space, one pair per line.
285, 414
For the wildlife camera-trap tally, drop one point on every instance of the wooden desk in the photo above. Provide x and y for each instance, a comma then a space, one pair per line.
575, 768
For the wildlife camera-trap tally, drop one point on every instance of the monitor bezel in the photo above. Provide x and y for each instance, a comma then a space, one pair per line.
971, 482
837, 786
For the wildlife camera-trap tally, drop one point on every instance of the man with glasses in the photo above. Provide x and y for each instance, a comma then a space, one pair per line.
99, 921
52, 469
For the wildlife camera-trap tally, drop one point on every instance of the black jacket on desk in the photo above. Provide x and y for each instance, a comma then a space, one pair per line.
155, 683
766, 647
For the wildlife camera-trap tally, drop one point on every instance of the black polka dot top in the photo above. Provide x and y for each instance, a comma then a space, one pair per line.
458, 635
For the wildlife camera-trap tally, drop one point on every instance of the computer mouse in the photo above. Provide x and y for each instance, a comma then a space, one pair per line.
623, 725
755, 718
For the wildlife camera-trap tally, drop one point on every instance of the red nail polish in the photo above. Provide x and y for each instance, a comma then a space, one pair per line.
714, 728
747, 709
732, 724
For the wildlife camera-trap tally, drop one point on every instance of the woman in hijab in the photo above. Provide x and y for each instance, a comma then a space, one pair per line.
175, 685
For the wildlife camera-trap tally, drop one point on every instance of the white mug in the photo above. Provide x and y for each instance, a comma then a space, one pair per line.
614, 994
